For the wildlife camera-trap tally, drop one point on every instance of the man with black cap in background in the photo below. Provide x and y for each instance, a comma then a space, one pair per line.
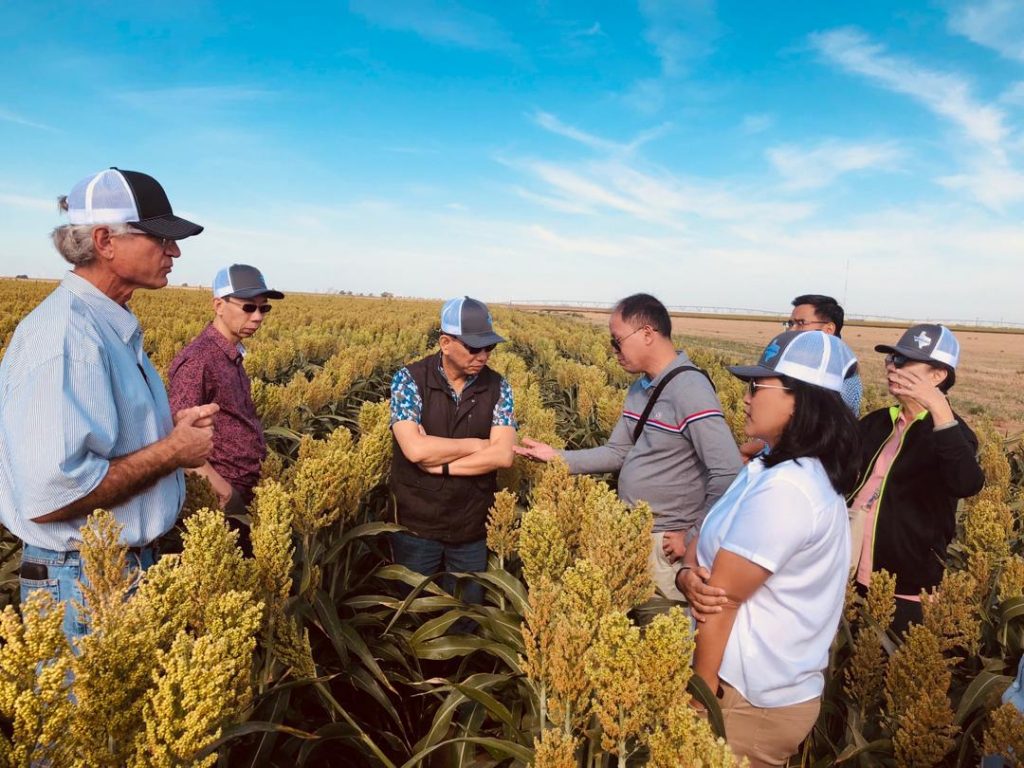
84, 418
453, 427
210, 370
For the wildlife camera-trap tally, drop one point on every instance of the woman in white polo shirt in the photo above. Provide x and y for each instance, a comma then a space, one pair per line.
767, 575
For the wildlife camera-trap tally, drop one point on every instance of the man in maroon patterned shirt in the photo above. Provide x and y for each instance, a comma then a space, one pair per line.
209, 370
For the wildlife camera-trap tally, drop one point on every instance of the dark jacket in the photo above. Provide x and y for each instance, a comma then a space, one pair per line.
915, 517
448, 509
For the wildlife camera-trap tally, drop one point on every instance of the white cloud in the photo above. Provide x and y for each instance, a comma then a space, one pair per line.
651, 195
551, 123
198, 98
945, 94
1014, 94
646, 96
819, 166
47, 205
594, 30
13, 117
680, 31
757, 123
995, 185
995, 24
438, 21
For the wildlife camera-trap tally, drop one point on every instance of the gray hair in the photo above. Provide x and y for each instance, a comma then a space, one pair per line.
74, 241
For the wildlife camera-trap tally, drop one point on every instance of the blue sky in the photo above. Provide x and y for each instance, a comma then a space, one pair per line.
717, 154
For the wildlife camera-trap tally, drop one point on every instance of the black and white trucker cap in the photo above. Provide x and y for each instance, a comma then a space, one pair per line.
114, 196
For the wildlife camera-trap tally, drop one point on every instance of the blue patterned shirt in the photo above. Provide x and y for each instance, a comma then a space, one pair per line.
407, 405
852, 394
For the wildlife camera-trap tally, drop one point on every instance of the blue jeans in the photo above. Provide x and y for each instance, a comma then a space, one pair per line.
64, 577
427, 556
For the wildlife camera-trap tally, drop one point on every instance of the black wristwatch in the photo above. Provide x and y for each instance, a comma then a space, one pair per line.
445, 472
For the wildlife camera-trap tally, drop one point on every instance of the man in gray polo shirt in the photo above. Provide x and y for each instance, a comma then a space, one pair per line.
685, 456
84, 418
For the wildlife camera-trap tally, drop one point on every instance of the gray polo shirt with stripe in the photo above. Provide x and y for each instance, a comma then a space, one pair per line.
685, 458
77, 390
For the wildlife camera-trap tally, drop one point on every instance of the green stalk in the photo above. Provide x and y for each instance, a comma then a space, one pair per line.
622, 736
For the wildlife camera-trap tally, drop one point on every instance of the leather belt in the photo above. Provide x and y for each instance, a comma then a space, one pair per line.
39, 571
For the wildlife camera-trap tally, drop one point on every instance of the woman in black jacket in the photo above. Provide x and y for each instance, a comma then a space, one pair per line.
917, 460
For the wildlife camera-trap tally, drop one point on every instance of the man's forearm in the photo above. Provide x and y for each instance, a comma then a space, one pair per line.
220, 486
126, 476
435, 451
494, 457
592, 461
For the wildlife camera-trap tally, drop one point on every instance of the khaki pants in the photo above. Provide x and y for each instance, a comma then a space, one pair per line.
766, 736
663, 572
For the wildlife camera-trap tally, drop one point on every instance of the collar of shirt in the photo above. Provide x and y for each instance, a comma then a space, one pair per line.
451, 389
646, 382
119, 318
899, 416
233, 351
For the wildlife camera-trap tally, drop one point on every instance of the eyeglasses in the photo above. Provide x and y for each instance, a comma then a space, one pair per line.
617, 343
250, 308
753, 386
163, 242
896, 360
475, 350
791, 324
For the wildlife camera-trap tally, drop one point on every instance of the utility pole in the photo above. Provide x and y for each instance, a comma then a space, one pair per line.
846, 283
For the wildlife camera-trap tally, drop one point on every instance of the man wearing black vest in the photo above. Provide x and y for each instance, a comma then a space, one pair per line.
453, 428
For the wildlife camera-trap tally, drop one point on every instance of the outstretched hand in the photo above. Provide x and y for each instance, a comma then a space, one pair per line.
535, 450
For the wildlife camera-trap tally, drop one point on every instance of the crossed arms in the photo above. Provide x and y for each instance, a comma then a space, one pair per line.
465, 457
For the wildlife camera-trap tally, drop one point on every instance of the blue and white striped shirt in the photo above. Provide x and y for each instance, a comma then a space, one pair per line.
77, 390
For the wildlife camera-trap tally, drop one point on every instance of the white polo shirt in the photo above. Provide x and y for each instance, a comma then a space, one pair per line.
789, 520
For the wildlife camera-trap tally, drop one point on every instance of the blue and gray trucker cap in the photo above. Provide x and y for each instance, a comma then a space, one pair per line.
242, 282
813, 357
469, 321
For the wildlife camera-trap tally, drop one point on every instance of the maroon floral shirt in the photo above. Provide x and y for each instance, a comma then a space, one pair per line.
209, 370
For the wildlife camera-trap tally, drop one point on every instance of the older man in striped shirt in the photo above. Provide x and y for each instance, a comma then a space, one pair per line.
84, 418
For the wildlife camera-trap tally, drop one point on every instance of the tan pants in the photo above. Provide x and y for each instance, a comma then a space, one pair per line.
766, 736
663, 572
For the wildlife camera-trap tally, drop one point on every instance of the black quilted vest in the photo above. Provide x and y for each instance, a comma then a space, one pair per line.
448, 509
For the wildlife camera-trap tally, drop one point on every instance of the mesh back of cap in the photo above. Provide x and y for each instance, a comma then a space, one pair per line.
102, 199
947, 350
451, 316
817, 358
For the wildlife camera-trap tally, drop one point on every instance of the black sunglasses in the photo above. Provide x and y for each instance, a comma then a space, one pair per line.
249, 308
475, 350
617, 343
897, 360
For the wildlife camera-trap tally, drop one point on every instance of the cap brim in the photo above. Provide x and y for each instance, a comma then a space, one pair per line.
913, 354
748, 372
252, 293
480, 339
170, 226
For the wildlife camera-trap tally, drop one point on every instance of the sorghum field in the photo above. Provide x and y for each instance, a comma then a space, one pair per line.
304, 654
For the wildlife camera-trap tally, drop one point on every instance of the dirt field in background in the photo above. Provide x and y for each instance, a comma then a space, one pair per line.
990, 377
